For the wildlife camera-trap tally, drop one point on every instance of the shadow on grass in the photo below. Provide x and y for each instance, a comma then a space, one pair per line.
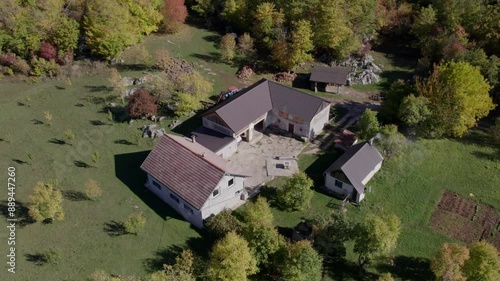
134, 67
21, 213
37, 259
79, 105
124, 142
211, 57
97, 123
316, 169
409, 268
114, 228
198, 245
58, 141
341, 269
36, 122
102, 88
127, 170
20, 162
271, 194
81, 164
73, 195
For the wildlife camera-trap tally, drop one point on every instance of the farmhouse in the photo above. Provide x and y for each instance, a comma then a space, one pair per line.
268, 103
350, 173
326, 79
191, 179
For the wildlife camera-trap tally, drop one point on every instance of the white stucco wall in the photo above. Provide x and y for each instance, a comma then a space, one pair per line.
371, 174
164, 194
228, 150
319, 121
228, 197
330, 184
216, 127
299, 129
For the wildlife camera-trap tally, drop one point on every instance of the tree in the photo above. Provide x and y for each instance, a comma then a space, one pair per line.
267, 20
391, 141
204, 8
331, 231
414, 110
390, 106
299, 261
448, 260
231, 259
263, 239
296, 193
281, 53
135, 223
424, 24
385, 277
228, 47
142, 104
246, 45
195, 84
92, 190
483, 264
301, 44
368, 124
458, 97
376, 236
221, 224
174, 15
182, 270
46, 202
48, 51
117, 82
65, 36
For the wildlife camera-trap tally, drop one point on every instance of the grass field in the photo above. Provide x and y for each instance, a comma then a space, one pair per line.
88, 238
410, 187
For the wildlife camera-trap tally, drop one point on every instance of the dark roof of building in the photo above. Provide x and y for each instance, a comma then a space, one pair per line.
188, 169
211, 139
263, 96
357, 162
333, 75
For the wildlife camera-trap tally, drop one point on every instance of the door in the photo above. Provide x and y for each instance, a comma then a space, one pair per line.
291, 128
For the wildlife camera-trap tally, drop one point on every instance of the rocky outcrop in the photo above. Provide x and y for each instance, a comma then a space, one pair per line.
364, 69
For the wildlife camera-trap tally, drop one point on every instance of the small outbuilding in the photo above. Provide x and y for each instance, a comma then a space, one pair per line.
349, 174
328, 79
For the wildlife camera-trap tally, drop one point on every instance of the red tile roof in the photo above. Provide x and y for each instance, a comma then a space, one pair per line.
190, 170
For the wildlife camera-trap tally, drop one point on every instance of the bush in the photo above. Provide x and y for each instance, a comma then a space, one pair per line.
46, 203
228, 46
296, 193
42, 67
92, 190
186, 103
142, 104
135, 223
48, 51
221, 224
52, 256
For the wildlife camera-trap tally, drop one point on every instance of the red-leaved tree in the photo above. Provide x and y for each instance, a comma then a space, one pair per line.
48, 51
142, 104
174, 15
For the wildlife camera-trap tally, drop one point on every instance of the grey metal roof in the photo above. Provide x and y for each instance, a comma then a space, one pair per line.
356, 163
263, 96
211, 139
325, 74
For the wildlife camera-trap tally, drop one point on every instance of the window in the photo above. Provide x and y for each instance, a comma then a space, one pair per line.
157, 185
174, 197
230, 182
188, 209
215, 193
338, 183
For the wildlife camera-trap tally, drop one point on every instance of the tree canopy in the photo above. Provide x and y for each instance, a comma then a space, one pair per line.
296, 193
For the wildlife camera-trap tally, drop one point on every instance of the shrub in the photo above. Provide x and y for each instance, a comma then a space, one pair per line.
52, 256
221, 224
69, 135
48, 51
296, 193
186, 103
92, 190
228, 46
135, 223
42, 67
246, 45
142, 104
46, 202
163, 59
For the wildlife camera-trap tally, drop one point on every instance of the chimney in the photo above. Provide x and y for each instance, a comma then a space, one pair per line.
193, 138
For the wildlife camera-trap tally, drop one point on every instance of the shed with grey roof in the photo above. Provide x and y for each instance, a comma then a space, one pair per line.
349, 174
324, 78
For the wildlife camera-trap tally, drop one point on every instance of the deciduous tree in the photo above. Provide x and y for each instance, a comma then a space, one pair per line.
46, 202
483, 264
228, 47
376, 236
174, 15
368, 124
135, 223
301, 43
296, 193
414, 110
448, 261
458, 97
231, 259
221, 224
92, 190
142, 104
182, 270
267, 19
299, 261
